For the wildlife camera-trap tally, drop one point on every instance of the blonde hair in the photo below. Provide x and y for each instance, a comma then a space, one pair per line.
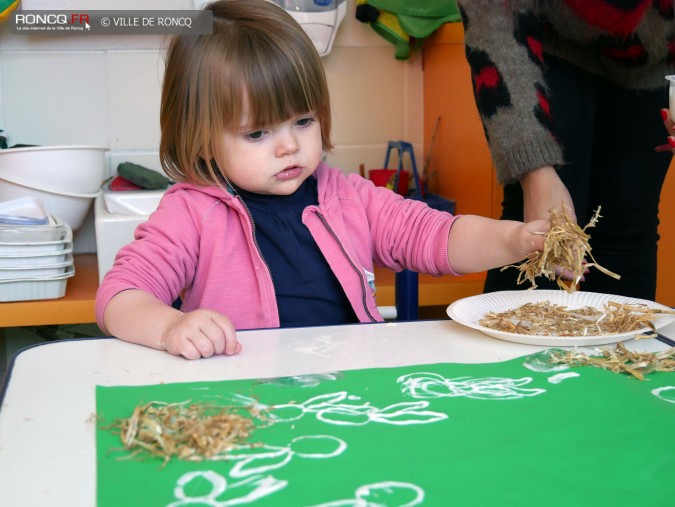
257, 54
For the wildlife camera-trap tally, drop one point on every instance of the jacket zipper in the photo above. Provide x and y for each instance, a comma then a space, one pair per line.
257, 247
364, 297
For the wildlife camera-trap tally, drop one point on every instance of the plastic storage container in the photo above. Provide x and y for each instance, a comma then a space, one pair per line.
35, 289
35, 260
31, 271
34, 239
38, 259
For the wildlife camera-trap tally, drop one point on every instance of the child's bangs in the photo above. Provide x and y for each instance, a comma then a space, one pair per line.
279, 88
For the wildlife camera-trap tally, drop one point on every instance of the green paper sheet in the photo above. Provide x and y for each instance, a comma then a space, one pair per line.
493, 434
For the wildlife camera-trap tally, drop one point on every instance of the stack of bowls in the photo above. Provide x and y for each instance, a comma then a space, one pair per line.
36, 255
66, 179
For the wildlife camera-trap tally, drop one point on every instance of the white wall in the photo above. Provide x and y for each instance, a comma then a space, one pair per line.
104, 90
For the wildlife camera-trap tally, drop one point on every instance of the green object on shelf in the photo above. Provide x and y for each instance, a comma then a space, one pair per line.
406, 24
420, 19
142, 176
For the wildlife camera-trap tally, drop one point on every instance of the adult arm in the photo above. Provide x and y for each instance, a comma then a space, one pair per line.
504, 53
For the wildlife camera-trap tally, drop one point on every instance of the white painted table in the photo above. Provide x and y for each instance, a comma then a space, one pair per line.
47, 434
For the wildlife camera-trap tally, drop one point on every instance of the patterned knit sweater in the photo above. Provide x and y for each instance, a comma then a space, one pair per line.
628, 42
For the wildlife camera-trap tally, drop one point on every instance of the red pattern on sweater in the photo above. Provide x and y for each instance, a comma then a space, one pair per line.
631, 53
665, 8
487, 78
619, 17
544, 104
535, 47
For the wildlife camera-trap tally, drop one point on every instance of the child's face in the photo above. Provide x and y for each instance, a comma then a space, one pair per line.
274, 159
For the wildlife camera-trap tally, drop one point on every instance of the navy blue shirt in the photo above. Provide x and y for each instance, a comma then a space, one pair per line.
307, 291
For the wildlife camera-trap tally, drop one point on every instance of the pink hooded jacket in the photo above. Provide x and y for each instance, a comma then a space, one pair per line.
199, 244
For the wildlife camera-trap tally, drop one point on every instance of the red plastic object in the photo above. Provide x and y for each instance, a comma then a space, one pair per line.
382, 176
118, 183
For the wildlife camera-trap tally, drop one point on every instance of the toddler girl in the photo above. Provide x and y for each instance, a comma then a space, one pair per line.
259, 232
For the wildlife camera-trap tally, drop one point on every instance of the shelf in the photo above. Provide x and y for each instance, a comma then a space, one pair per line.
76, 307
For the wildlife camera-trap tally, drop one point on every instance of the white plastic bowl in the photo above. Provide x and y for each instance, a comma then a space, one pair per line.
69, 169
71, 207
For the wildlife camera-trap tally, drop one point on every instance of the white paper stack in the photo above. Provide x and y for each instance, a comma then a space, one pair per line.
36, 252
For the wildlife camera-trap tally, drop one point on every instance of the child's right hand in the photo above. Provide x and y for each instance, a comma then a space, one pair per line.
533, 236
200, 333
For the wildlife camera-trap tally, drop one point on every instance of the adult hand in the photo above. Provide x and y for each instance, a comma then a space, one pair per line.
200, 333
543, 190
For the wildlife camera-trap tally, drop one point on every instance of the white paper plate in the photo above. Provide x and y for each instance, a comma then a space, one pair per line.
469, 311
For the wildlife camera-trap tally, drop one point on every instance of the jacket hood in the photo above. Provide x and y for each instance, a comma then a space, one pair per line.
210, 190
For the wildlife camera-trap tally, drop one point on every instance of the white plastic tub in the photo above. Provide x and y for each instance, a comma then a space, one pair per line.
132, 202
53, 238
12, 249
34, 260
117, 216
27, 272
55, 230
36, 289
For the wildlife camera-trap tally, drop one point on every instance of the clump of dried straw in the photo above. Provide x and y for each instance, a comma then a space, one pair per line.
186, 431
565, 249
548, 319
619, 360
